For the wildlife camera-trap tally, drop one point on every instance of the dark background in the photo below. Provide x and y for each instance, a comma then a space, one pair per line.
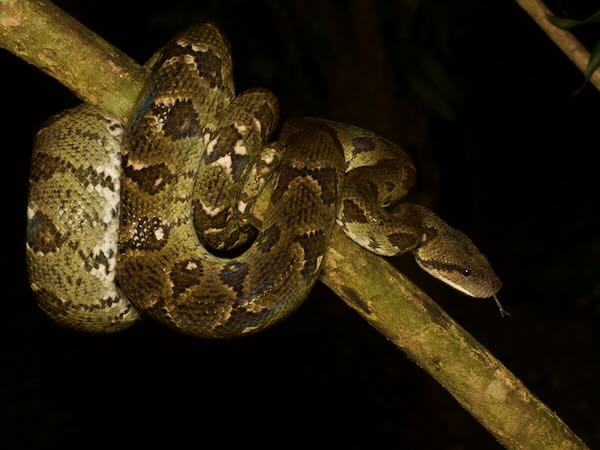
480, 97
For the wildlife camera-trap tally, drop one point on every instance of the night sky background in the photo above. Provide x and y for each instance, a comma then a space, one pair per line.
480, 98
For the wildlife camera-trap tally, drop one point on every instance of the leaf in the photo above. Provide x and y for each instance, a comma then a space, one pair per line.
565, 22
593, 64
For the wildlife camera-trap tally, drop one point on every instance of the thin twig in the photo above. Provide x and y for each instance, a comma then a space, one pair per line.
562, 38
366, 282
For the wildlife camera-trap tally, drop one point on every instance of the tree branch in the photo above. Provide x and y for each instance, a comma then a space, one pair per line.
562, 38
45, 36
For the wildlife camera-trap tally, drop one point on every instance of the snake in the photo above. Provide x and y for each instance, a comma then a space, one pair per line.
152, 217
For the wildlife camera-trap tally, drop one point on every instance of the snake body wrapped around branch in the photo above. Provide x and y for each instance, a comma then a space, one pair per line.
123, 221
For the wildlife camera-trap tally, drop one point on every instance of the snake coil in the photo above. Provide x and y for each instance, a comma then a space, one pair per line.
128, 221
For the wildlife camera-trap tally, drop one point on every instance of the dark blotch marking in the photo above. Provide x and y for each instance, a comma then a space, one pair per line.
353, 213
207, 63
430, 233
403, 240
44, 166
411, 216
239, 319
228, 136
179, 121
186, 274
313, 245
268, 238
363, 144
89, 176
92, 261
285, 177
151, 179
93, 136
233, 275
368, 189
42, 235
327, 178
209, 67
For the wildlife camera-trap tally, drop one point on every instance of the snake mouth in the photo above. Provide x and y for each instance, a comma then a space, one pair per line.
471, 293
477, 285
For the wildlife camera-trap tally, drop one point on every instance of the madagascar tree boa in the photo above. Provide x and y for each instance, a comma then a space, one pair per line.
124, 222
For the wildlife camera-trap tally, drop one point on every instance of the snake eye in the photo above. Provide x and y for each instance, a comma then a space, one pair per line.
466, 272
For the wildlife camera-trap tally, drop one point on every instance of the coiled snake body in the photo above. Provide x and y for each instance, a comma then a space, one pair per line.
128, 221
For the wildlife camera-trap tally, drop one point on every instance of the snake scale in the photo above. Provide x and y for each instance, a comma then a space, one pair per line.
136, 220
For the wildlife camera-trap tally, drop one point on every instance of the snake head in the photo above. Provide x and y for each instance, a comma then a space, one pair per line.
452, 257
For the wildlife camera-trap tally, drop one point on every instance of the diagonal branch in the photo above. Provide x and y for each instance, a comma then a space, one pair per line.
45, 36
562, 38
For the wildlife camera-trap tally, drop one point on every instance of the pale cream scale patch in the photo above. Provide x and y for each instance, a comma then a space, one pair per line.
242, 206
210, 210
159, 234
240, 148
224, 162
210, 144
268, 159
136, 165
257, 124
241, 128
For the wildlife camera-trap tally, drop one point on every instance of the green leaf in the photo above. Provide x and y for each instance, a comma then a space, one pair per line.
593, 64
565, 22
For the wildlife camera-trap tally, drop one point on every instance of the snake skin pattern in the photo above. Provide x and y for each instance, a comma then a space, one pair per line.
125, 223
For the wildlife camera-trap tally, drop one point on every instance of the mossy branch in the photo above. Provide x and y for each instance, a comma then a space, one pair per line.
45, 36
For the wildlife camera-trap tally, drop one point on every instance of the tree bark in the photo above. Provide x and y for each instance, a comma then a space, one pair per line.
45, 36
